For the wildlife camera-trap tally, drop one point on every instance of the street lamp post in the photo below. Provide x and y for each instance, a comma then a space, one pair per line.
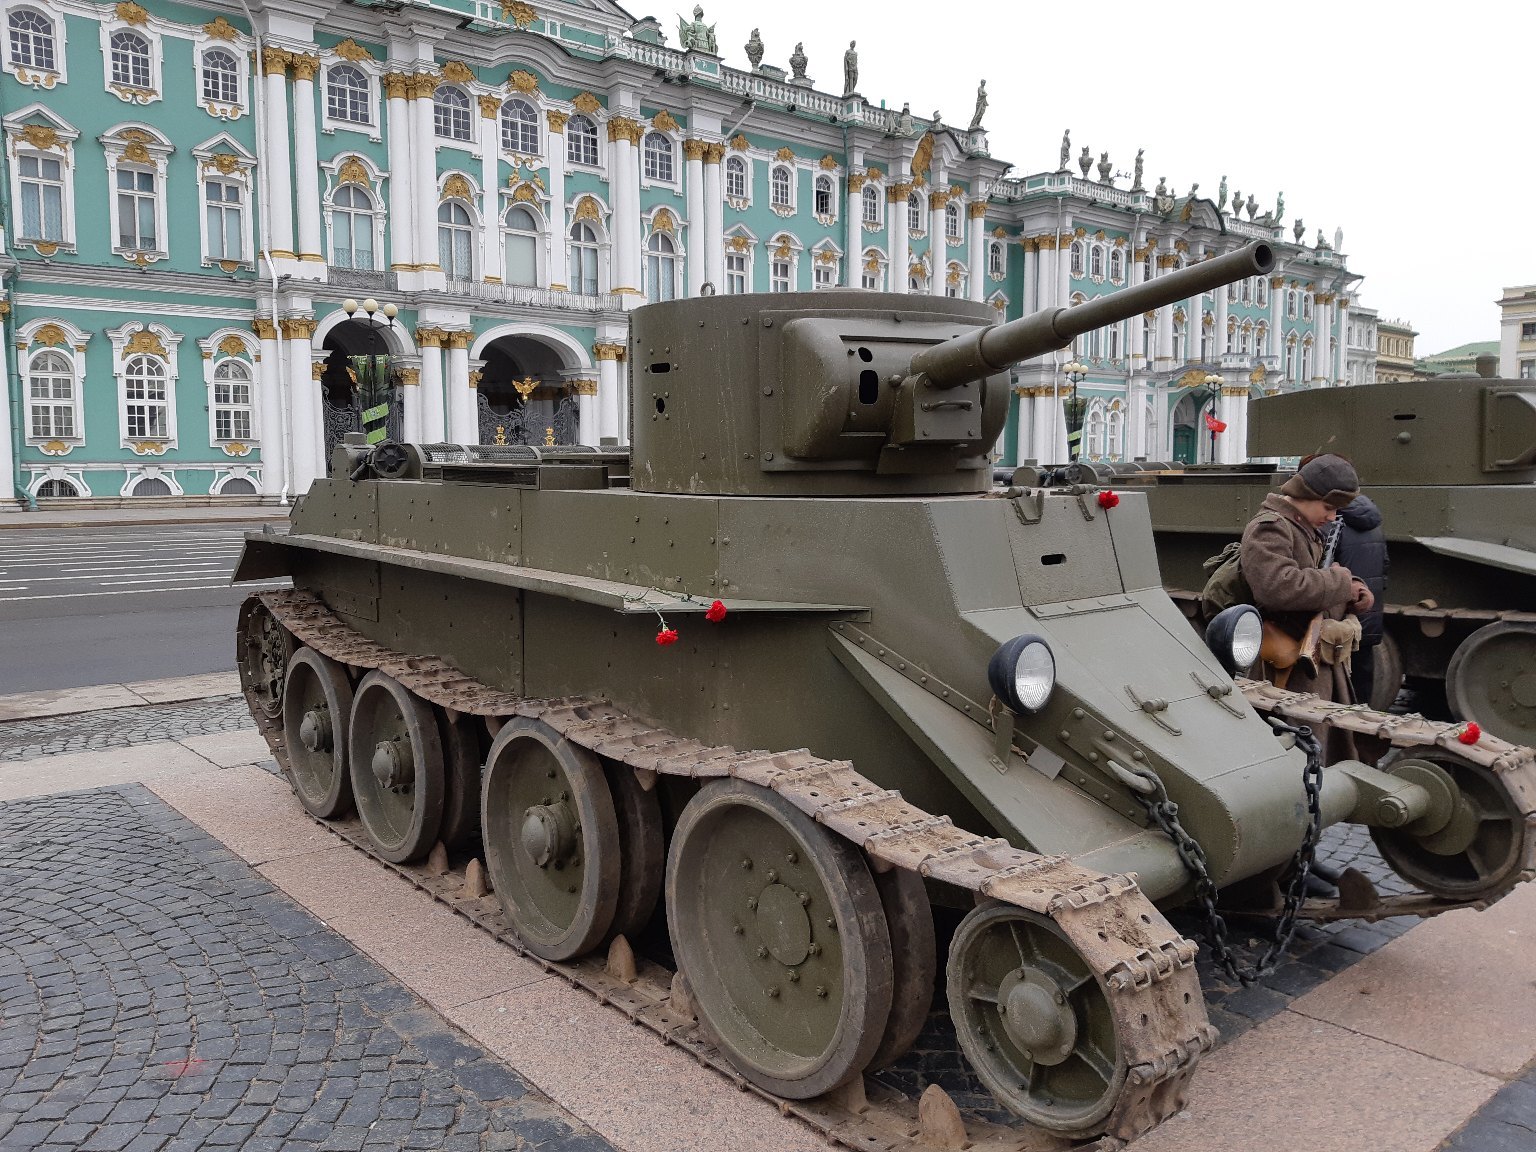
1214, 383
1075, 370
372, 383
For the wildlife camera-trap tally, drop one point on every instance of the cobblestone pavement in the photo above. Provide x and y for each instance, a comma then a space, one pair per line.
1507, 1123
120, 727
156, 995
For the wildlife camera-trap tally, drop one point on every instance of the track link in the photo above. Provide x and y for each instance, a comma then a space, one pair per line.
1144, 966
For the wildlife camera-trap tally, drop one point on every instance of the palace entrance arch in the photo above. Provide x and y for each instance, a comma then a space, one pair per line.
529, 390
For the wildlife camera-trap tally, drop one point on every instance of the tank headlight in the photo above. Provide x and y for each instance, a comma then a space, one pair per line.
1022, 673
1234, 637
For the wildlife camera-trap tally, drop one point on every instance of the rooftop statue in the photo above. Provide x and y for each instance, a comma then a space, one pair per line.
797, 62
981, 106
1280, 208
1253, 205
1085, 161
695, 35
904, 125
1066, 150
850, 69
1106, 170
755, 50
1221, 196
1299, 230
1136, 177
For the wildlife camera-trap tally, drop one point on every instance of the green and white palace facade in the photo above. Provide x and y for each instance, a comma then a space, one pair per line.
193, 192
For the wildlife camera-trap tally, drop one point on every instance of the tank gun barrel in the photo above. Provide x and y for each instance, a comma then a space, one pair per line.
978, 354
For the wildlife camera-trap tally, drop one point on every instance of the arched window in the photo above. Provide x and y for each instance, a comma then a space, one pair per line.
1096, 262
1116, 265
914, 212
232, 400
660, 268
455, 241
352, 227
1114, 341
1261, 339
952, 221
581, 140
1248, 290
1306, 305
583, 259
823, 195
346, 95
1078, 255
738, 270
51, 397
657, 150
872, 275
144, 396
130, 59
1245, 340
237, 486
781, 273
779, 185
56, 489
870, 200
1095, 430
1114, 446
997, 259
31, 40
137, 193
736, 178
1290, 303
1232, 293
151, 486
450, 113
521, 241
1146, 269
221, 76
1261, 294
520, 127
1306, 361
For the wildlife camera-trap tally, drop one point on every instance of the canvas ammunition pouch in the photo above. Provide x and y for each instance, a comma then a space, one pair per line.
1339, 640
1225, 584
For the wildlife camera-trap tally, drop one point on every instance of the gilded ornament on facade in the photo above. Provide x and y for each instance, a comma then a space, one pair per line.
826, 256
922, 159
623, 128
740, 243
785, 153
410, 375
40, 136
938, 199
856, 182
490, 104
350, 49
236, 448
522, 81
783, 251
458, 338
1000, 232
525, 387
147, 448
130, 13
872, 264
582, 387
457, 187
953, 277
297, 327
714, 153
45, 247
739, 143
976, 210
45, 80
264, 328
225, 162
232, 345
274, 61
138, 153
50, 335
586, 103
556, 120
220, 29
144, 342
873, 173
606, 350
56, 448
1257, 375
525, 194
427, 337
396, 85
917, 270
475, 377
693, 149
827, 162
587, 209
1181, 245
662, 221
304, 67
521, 14
458, 71
663, 122
353, 171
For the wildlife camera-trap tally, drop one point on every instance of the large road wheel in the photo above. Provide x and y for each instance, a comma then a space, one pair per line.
265, 647
914, 959
317, 707
1034, 1020
551, 839
1387, 674
462, 758
1474, 851
1492, 679
778, 928
642, 848
396, 762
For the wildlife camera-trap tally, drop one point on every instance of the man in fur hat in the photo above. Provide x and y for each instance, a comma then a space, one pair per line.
1282, 554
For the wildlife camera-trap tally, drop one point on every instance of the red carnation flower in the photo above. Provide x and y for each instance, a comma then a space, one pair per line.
1471, 734
715, 613
666, 636
1108, 499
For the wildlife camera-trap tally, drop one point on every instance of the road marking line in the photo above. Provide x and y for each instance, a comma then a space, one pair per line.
136, 592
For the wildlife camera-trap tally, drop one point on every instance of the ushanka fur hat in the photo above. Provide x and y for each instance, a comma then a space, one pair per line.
1326, 477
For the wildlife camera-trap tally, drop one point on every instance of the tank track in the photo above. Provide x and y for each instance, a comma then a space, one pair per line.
1145, 967
1514, 764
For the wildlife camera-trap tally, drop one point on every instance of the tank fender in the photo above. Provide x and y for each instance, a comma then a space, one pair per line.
263, 558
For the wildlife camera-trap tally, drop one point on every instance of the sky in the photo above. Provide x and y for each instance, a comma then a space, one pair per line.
1411, 127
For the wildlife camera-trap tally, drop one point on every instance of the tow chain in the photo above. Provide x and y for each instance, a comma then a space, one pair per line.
1165, 814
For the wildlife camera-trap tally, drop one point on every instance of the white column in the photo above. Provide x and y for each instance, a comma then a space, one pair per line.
307, 428
306, 162
1029, 252
624, 183
698, 229
7, 447
424, 154
1237, 425
274, 427
938, 246
1277, 319
1341, 325
434, 428
1023, 445
853, 225
559, 277
588, 419
490, 194
1064, 272
1136, 332
402, 219
608, 369
461, 416
278, 161
1164, 261
1219, 333
976, 246
1050, 280
411, 417
896, 223
714, 224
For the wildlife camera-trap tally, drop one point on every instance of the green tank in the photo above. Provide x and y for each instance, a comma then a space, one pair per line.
792, 668
1451, 462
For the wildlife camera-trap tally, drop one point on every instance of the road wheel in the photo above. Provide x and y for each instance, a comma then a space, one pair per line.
914, 959
265, 648
396, 761
1387, 678
317, 706
1492, 679
642, 848
462, 758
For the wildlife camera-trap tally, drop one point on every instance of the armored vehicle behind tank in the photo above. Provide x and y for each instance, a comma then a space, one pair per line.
1451, 462
577, 660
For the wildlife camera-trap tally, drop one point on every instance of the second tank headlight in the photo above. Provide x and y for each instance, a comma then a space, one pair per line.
1234, 637
1022, 673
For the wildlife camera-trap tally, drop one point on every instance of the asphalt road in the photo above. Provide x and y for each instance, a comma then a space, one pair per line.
113, 605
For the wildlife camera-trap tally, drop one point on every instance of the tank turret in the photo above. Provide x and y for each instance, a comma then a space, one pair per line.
850, 392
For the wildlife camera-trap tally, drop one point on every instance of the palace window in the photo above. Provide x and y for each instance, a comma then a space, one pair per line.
1528, 330
51, 397
455, 241
952, 221
780, 187
347, 97
780, 275
1116, 265
1306, 306
137, 194
1114, 341
583, 259
1077, 258
1248, 290
221, 76
130, 60
42, 198
870, 200
352, 219
914, 213
1290, 303
660, 268
232, 400
1528, 369
521, 244
450, 113
824, 196
872, 275
54, 489
1146, 269
736, 273
1095, 430
31, 40
224, 202
520, 127
1115, 441
997, 258
146, 405
657, 151
1261, 293
1096, 262
735, 178
581, 141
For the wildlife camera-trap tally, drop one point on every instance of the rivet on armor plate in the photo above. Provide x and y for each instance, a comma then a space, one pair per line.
821, 993
773, 875
772, 992
792, 857
746, 863
1077, 713
761, 952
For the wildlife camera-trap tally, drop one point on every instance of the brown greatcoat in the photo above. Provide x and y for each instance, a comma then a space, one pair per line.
1280, 557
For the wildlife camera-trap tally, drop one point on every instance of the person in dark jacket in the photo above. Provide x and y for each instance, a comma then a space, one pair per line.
1363, 550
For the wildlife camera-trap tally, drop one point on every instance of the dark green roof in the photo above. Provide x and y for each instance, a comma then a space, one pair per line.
1467, 351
